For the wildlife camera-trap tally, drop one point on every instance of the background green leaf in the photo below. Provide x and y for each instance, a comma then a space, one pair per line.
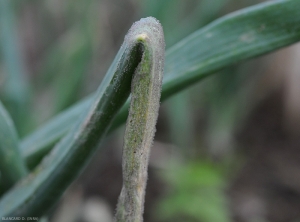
15, 92
12, 165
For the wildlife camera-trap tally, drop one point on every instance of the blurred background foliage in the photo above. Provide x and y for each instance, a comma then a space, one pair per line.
226, 148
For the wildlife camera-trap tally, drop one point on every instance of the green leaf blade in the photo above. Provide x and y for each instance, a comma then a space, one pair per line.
34, 147
245, 34
12, 166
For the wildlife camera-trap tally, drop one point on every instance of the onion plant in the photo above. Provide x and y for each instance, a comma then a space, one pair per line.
36, 170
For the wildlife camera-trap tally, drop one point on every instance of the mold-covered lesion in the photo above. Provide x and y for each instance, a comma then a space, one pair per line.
143, 112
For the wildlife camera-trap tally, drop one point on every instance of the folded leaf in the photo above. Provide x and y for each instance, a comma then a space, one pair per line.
42, 188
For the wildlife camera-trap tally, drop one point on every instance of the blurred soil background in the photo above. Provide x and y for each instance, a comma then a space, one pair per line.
226, 149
